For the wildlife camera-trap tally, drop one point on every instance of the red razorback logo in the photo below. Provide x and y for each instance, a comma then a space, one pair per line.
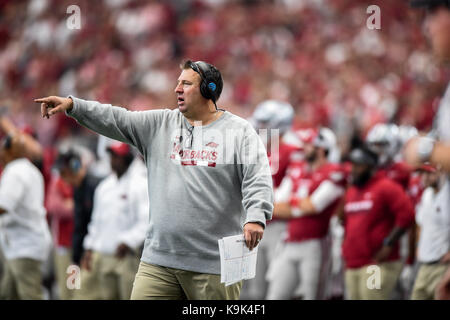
211, 144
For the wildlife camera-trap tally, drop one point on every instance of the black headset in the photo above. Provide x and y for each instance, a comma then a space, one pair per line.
75, 164
211, 85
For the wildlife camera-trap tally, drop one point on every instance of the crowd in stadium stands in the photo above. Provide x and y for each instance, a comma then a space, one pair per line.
317, 55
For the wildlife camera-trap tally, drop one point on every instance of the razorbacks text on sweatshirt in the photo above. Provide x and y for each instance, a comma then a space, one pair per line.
204, 182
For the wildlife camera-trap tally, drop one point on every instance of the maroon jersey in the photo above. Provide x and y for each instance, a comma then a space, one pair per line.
305, 182
415, 188
371, 212
279, 162
399, 172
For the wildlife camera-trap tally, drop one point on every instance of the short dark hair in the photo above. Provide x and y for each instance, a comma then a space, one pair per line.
363, 155
205, 70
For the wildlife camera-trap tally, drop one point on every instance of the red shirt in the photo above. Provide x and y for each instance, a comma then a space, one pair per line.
61, 217
415, 188
399, 172
371, 212
279, 162
313, 226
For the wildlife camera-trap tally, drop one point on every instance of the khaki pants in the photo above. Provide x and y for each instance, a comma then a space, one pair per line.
22, 280
161, 283
372, 282
116, 276
427, 279
2, 264
90, 282
62, 260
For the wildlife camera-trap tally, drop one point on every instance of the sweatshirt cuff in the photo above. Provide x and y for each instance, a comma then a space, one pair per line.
255, 215
75, 107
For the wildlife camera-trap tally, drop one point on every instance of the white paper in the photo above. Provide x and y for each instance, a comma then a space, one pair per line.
237, 262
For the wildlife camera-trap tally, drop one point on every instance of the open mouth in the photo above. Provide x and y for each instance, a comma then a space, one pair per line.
180, 100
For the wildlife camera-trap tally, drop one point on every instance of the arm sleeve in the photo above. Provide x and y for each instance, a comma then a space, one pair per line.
399, 204
135, 236
256, 186
133, 127
11, 190
283, 192
326, 194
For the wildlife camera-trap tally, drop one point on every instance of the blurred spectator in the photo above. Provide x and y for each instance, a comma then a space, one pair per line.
433, 219
273, 120
377, 212
308, 196
24, 237
318, 55
119, 223
60, 207
74, 171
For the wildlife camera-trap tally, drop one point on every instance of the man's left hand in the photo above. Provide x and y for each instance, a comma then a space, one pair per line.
122, 250
253, 233
446, 258
383, 254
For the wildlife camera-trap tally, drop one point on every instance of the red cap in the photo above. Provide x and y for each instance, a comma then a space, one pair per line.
119, 148
29, 130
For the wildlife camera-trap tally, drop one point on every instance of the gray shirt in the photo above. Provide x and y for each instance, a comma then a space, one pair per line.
204, 182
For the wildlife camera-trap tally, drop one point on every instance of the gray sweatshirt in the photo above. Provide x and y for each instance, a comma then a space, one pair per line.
204, 182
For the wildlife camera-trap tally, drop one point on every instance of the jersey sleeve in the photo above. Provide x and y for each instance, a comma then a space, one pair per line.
399, 204
11, 190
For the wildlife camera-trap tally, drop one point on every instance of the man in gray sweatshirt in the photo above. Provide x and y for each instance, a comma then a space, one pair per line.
208, 177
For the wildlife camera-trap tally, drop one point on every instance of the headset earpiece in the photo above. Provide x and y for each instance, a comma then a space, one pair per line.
208, 87
75, 164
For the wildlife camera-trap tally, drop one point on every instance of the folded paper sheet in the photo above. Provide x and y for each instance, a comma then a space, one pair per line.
237, 262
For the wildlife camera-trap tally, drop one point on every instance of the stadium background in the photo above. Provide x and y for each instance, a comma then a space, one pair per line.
317, 54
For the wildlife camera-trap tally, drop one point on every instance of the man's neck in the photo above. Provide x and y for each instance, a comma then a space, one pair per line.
317, 163
438, 185
11, 159
120, 173
205, 117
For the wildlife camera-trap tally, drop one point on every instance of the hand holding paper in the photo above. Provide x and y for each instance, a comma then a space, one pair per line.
237, 262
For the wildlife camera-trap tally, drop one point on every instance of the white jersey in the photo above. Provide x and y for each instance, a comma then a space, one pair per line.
120, 213
24, 232
433, 217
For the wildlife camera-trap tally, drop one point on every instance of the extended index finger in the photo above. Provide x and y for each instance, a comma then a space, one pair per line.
42, 100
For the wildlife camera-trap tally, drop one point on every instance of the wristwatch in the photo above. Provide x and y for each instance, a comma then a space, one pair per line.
425, 146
